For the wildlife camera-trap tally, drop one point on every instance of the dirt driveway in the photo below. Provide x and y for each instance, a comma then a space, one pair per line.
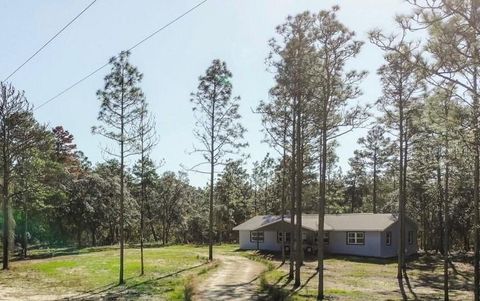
235, 279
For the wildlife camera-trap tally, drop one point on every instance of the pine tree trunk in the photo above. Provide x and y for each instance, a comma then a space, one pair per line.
266, 198
476, 187
441, 226
25, 231
255, 201
212, 170
142, 200
6, 213
298, 188
476, 177
164, 228
293, 172
375, 183
401, 245
424, 223
321, 210
404, 210
122, 184
283, 196
354, 194
445, 214
94, 238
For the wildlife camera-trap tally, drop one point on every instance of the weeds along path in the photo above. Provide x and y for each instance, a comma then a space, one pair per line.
236, 278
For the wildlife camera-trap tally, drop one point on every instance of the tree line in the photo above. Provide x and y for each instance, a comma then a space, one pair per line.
420, 156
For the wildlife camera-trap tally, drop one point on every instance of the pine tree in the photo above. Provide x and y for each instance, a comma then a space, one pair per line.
452, 55
356, 178
276, 121
377, 150
217, 126
402, 87
120, 110
146, 142
442, 116
291, 58
334, 110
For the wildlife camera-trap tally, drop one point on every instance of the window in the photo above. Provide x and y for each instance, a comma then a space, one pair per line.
410, 237
280, 237
326, 238
388, 238
355, 238
256, 236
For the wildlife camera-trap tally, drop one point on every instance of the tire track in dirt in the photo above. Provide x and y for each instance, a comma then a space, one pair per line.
236, 278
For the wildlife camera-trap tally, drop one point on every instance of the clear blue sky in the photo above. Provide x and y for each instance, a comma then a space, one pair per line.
236, 31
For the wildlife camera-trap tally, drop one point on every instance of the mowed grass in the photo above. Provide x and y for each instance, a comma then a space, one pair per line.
91, 273
353, 278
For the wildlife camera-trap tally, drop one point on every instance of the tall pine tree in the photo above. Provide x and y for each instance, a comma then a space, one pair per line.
217, 126
121, 102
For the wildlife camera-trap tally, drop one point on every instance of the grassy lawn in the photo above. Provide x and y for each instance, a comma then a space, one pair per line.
92, 273
173, 271
353, 278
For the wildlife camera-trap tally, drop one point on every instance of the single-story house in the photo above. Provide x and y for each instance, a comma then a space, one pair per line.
363, 234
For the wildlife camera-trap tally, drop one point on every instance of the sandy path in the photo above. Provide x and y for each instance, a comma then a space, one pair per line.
235, 279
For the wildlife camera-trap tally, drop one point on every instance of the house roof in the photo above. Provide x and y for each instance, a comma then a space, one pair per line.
333, 222
258, 221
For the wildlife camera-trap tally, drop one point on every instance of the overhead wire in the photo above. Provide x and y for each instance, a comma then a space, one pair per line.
49, 41
129, 49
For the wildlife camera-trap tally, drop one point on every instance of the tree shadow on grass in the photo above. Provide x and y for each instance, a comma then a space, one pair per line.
427, 275
63, 251
361, 259
456, 272
231, 291
309, 258
279, 291
47, 254
402, 288
436, 281
114, 291
308, 280
42, 252
280, 279
409, 286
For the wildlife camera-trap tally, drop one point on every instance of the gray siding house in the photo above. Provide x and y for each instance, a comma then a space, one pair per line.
362, 234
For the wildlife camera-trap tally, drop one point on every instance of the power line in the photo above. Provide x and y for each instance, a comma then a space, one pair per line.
71, 86
51, 39
166, 25
129, 49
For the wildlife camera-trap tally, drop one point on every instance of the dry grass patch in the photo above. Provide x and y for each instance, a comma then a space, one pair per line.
94, 275
354, 278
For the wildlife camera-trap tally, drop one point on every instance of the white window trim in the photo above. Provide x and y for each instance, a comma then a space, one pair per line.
326, 238
411, 238
280, 236
257, 240
356, 237
388, 238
